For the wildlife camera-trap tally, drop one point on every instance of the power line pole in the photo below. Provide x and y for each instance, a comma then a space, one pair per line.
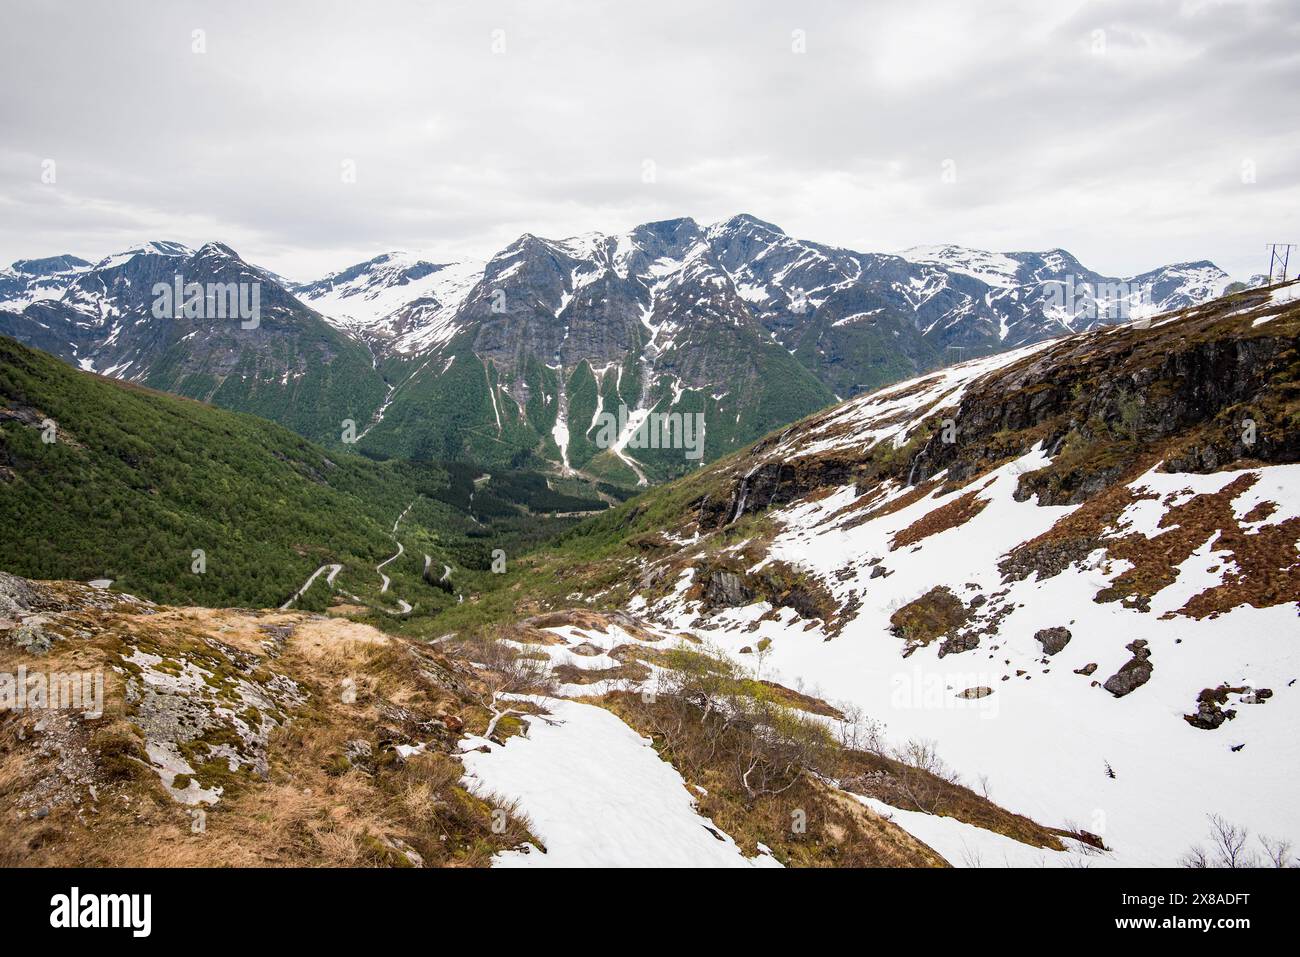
1279, 257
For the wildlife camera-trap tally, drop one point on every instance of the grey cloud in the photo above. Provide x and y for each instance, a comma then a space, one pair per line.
1129, 158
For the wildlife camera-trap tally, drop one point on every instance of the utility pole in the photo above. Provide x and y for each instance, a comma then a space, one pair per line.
1279, 257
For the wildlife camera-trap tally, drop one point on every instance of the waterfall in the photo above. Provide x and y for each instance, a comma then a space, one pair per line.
743, 494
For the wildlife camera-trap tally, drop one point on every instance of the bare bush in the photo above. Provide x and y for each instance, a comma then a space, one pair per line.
923, 775
505, 673
858, 732
1230, 847
769, 743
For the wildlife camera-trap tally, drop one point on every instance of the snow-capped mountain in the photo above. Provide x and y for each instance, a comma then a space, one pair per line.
31, 280
282, 361
675, 316
403, 303
556, 333
1038, 295
953, 295
521, 355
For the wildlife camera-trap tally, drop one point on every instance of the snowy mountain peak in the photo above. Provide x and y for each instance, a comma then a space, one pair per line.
669, 230
50, 265
746, 222
152, 248
33, 280
401, 301
995, 269
216, 249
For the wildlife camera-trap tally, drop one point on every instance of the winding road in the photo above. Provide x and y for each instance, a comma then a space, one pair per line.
397, 554
403, 606
333, 570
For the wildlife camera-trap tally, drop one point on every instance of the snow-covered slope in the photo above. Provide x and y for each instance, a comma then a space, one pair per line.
32, 280
1072, 567
598, 796
1048, 737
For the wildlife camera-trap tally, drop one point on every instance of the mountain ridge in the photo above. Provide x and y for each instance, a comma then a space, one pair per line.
514, 359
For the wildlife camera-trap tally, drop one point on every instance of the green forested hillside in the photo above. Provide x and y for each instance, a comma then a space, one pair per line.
457, 410
135, 482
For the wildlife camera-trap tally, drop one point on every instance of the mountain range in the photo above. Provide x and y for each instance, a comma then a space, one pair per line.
512, 361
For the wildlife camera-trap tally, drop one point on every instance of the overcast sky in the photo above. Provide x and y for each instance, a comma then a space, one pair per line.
1132, 134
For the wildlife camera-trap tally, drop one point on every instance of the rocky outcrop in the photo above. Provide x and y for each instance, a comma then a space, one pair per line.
1053, 640
36, 615
727, 584
936, 614
31, 637
726, 589
772, 483
19, 597
194, 707
1210, 712
1134, 673
1097, 403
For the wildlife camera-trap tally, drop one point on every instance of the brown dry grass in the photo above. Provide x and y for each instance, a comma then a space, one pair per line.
1266, 560
896, 783
955, 513
313, 809
809, 825
936, 614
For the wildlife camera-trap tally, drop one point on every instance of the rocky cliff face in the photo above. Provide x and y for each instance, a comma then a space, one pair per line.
1202, 389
